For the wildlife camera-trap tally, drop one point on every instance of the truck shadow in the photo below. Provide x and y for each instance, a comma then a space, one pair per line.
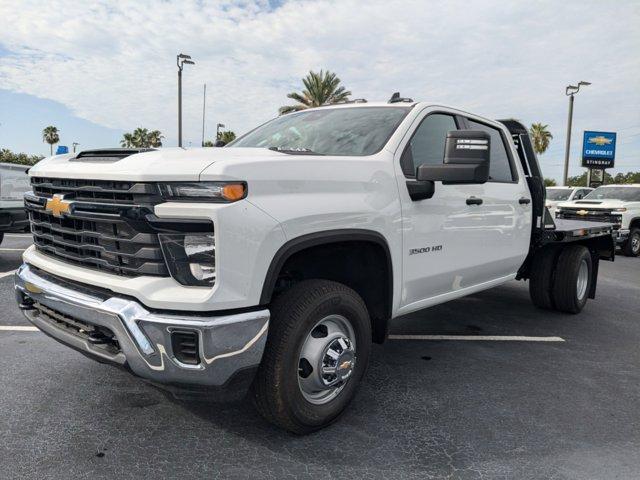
472, 402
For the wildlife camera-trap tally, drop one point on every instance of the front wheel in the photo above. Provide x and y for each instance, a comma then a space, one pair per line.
631, 247
316, 354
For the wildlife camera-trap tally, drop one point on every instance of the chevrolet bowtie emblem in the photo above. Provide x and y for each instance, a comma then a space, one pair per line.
58, 206
582, 212
344, 365
600, 140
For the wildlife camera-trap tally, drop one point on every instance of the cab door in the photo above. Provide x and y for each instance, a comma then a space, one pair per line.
464, 237
443, 240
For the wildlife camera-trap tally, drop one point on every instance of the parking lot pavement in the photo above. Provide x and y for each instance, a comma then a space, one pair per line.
427, 409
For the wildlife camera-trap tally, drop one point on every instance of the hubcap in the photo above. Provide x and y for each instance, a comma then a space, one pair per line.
327, 359
583, 279
635, 243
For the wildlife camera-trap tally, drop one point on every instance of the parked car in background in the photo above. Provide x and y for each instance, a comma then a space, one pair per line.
617, 204
556, 195
14, 182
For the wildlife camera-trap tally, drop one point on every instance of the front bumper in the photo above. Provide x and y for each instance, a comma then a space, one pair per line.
620, 236
68, 312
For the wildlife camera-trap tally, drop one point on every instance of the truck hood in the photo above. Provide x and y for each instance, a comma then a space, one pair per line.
174, 164
593, 204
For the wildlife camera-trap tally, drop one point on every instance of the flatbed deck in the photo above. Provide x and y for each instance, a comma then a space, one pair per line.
566, 230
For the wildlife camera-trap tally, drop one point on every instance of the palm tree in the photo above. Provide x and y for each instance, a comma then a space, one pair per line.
51, 135
127, 140
227, 136
541, 137
142, 138
319, 89
155, 138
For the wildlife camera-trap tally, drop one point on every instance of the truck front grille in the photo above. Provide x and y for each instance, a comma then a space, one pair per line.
105, 229
100, 191
605, 216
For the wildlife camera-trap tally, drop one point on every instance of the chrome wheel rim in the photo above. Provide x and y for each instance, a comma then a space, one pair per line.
327, 359
583, 279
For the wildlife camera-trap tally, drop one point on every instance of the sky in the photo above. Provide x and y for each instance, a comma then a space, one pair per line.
98, 69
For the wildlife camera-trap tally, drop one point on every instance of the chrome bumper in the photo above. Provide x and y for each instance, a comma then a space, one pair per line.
227, 344
621, 236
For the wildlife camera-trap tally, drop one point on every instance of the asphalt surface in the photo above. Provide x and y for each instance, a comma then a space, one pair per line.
427, 409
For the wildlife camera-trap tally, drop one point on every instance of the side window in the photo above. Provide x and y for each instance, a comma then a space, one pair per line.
500, 168
427, 143
579, 195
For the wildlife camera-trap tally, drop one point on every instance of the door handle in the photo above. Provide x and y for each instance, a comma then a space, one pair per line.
474, 201
524, 201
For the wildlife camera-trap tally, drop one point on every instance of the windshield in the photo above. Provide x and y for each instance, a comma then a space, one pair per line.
628, 194
331, 131
558, 194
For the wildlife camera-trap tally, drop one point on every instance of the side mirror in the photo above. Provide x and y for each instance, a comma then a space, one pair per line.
466, 159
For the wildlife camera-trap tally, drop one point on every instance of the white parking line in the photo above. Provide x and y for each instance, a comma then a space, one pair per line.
486, 338
17, 328
21, 235
11, 249
6, 274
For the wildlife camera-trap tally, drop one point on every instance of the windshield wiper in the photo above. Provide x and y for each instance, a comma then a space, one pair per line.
294, 151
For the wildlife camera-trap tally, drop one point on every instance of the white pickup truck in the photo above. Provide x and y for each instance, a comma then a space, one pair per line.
556, 195
615, 204
273, 263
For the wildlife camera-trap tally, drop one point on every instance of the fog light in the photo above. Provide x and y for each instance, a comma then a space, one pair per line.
190, 257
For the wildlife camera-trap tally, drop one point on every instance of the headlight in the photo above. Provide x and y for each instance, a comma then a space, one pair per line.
191, 257
204, 191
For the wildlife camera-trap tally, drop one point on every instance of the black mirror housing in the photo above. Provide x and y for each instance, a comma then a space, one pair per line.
466, 159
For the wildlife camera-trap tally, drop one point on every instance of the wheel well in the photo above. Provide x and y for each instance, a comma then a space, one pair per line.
635, 223
363, 264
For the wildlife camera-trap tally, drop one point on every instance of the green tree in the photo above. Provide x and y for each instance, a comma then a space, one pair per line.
155, 138
319, 89
51, 135
549, 182
7, 156
142, 138
541, 137
208, 143
227, 136
127, 140
581, 180
629, 177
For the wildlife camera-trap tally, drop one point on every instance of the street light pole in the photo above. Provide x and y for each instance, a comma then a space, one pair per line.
570, 91
75, 144
181, 60
204, 103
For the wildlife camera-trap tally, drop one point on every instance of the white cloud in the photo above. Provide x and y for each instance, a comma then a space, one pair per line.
114, 62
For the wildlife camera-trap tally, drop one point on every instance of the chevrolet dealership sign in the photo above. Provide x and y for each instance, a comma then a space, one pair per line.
598, 149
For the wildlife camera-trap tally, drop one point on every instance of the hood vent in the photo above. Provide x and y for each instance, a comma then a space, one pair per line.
108, 154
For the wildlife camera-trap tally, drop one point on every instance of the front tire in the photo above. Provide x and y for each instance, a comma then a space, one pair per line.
631, 247
316, 354
572, 281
